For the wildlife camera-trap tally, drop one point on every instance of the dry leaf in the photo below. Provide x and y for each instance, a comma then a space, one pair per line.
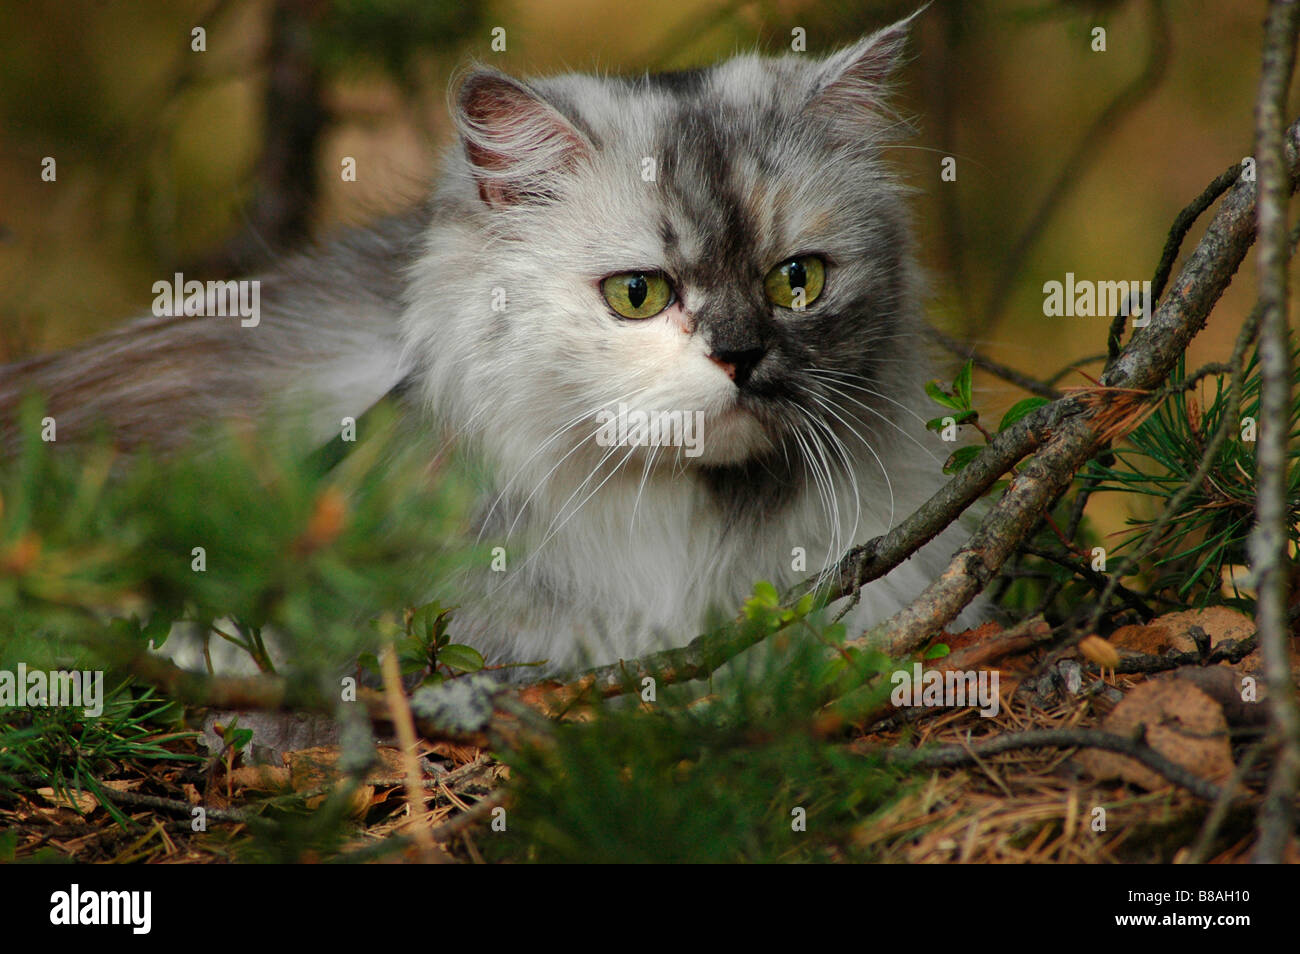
83, 802
459, 754
1173, 630
1223, 684
261, 778
1183, 724
316, 768
971, 637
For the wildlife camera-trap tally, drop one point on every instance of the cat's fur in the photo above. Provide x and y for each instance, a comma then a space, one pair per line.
611, 552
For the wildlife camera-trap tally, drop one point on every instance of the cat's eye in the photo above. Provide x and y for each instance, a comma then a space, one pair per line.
637, 294
796, 283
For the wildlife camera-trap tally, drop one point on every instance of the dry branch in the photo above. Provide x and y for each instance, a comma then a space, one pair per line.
1268, 541
1142, 366
1135, 748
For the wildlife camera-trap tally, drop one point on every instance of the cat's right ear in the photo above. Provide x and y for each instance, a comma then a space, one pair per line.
852, 85
517, 144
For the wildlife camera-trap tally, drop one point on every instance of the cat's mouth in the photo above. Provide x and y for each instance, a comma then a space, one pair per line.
735, 433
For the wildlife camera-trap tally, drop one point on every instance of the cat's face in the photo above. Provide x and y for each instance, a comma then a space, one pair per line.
723, 243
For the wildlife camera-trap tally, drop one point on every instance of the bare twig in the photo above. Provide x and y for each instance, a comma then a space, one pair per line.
1228, 650
477, 813
1268, 541
1183, 223
1044, 476
1071, 173
985, 363
173, 805
1134, 748
1019, 639
430, 853
1098, 581
1073, 366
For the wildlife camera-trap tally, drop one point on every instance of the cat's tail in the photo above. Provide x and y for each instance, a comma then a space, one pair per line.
318, 335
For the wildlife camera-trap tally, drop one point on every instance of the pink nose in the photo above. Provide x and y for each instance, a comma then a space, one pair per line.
739, 363
728, 369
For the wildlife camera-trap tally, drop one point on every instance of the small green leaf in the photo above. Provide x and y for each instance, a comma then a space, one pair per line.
940, 396
961, 385
937, 651
765, 594
960, 458
158, 629
429, 622
1020, 409
461, 657
235, 737
961, 417
409, 664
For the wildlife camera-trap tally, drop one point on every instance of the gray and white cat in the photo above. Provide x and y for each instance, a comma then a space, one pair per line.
724, 245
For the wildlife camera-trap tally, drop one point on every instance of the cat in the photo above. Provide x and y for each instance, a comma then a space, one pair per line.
721, 251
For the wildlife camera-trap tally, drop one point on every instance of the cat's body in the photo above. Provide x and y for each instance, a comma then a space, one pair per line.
493, 308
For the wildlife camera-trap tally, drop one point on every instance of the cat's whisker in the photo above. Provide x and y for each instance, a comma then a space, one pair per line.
848, 379
834, 409
555, 435
877, 412
883, 417
837, 542
848, 463
551, 533
545, 477
645, 473
564, 429
845, 541
560, 510
820, 469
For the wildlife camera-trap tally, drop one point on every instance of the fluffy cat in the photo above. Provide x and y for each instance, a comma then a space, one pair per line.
725, 245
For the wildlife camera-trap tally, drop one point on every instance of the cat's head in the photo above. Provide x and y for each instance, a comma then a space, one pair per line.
722, 241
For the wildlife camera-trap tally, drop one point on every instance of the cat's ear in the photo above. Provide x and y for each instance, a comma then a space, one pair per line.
516, 142
854, 82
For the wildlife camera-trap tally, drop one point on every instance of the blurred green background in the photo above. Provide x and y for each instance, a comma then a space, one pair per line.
211, 162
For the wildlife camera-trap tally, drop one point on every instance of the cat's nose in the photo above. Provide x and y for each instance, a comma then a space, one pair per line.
739, 365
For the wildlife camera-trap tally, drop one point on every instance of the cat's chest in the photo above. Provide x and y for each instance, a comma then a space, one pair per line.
669, 548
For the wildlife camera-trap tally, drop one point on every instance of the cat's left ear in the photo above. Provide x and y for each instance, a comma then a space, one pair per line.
853, 81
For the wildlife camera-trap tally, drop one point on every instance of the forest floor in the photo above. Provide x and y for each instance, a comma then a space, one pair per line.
1190, 679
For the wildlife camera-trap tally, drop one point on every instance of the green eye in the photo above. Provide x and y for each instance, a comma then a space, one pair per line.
807, 272
637, 294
